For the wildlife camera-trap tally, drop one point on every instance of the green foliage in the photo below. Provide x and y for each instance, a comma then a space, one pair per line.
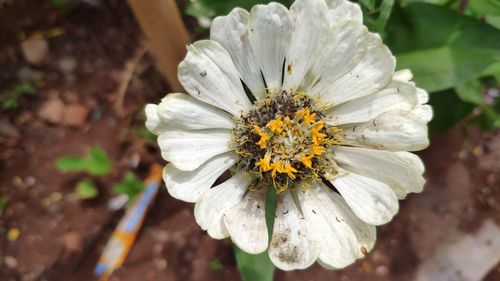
96, 162
130, 185
375, 18
86, 189
441, 47
9, 99
254, 267
209, 9
215, 266
448, 110
3, 203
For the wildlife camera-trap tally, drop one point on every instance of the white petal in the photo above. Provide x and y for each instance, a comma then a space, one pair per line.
293, 245
231, 31
270, 30
210, 208
372, 201
372, 74
153, 121
186, 112
394, 130
188, 150
337, 241
397, 96
208, 74
190, 185
309, 36
246, 222
424, 112
341, 10
402, 171
423, 96
403, 75
346, 44
365, 234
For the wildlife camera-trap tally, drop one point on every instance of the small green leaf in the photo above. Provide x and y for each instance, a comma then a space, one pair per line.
95, 163
215, 266
254, 267
86, 189
130, 185
3, 203
98, 163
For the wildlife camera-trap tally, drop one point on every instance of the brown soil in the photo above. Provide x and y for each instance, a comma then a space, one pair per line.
463, 179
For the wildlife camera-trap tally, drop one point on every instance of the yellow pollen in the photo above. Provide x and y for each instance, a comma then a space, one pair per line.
289, 170
263, 137
264, 163
318, 150
276, 125
306, 160
277, 167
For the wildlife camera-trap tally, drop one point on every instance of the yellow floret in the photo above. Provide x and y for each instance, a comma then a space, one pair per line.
276, 126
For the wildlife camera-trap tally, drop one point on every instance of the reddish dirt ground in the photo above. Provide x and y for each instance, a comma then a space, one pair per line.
61, 236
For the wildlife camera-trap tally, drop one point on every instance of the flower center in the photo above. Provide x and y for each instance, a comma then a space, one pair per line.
284, 140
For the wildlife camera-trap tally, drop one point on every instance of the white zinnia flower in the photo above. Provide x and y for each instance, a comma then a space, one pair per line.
330, 131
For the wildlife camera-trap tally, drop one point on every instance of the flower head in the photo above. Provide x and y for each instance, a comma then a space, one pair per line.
329, 131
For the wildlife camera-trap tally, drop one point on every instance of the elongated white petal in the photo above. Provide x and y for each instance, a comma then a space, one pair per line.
401, 171
347, 42
270, 32
190, 185
293, 245
208, 74
309, 36
372, 201
188, 150
365, 233
394, 130
336, 240
183, 111
341, 10
246, 222
372, 74
398, 96
212, 205
153, 121
231, 31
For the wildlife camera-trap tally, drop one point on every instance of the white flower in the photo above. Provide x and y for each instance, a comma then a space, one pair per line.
330, 130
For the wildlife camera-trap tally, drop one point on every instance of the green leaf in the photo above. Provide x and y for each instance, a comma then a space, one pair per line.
215, 266
385, 11
130, 185
448, 110
254, 267
471, 92
95, 163
98, 163
86, 189
441, 47
485, 7
3, 203
211, 8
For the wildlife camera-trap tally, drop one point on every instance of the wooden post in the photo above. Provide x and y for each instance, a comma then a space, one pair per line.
161, 21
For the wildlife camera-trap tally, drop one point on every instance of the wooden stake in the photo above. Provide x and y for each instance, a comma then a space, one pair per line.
161, 21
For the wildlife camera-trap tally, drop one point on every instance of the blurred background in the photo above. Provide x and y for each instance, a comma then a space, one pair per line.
75, 76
